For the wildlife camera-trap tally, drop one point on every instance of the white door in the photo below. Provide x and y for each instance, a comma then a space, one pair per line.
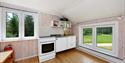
61, 44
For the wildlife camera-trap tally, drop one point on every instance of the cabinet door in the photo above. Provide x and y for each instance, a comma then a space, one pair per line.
71, 42
61, 44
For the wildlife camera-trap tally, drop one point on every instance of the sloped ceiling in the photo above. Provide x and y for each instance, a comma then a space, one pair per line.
76, 10
95, 9
57, 7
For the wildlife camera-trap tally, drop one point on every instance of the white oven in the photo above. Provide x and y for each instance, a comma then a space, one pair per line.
46, 48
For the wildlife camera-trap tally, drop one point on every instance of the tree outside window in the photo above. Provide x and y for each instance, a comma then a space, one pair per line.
29, 25
12, 25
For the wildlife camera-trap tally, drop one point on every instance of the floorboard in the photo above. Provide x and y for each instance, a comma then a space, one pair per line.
70, 56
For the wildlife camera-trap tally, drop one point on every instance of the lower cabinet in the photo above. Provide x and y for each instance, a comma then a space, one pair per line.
71, 42
61, 44
64, 43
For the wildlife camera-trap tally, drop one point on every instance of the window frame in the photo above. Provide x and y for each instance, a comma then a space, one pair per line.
82, 42
35, 16
83, 36
21, 27
113, 41
5, 10
114, 25
1, 24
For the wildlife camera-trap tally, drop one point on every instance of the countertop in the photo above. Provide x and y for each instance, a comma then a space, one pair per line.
55, 36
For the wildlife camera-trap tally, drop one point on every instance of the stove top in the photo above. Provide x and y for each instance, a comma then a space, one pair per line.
53, 35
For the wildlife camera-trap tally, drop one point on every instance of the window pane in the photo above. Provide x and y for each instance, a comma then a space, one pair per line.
104, 38
12, 25
87, 36
29, 26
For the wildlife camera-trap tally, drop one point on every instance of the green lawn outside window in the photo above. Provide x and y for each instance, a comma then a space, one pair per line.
103, 37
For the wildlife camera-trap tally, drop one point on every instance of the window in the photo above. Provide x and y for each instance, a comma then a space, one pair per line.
12, 25
101, 37
29, 25
19, 24
87, 36
104, 38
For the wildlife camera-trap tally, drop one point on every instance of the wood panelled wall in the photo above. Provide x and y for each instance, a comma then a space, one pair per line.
121, 32
23, 49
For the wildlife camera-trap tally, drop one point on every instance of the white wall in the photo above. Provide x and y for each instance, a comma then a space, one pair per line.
45, 28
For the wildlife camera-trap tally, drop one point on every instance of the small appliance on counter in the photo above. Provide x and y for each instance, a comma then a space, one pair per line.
46, 48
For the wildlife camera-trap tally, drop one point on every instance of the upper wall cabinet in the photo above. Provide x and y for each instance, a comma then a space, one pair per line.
55, 23
62, 24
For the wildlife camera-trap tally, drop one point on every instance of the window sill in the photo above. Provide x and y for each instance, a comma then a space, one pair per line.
18, 40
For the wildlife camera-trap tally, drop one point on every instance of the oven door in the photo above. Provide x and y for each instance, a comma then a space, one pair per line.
47, 47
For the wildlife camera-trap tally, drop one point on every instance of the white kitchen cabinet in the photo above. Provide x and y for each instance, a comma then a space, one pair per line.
71, 42
61, 44
64, 43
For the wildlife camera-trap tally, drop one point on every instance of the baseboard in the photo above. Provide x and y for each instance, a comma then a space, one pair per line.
102, 56
26, 58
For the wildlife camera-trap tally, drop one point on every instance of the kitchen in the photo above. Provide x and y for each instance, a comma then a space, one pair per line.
45, 31
48, 28
61, 37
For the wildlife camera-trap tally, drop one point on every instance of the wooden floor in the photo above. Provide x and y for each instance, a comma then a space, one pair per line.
70, 56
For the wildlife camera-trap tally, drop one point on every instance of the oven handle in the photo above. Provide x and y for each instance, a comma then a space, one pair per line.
47, 42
